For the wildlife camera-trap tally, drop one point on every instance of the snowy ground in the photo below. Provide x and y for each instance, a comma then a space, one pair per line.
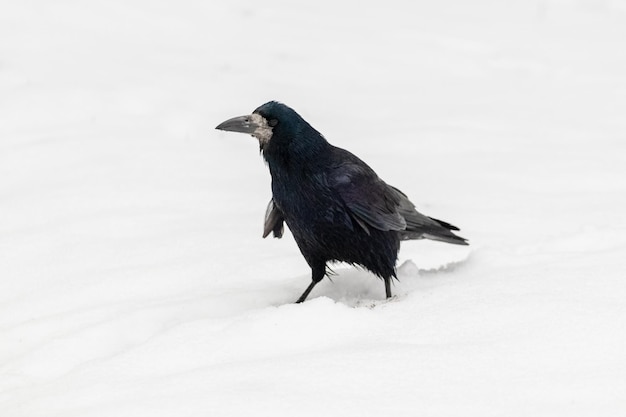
133, 277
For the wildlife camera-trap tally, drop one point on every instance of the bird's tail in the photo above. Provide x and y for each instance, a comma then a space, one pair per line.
444, 234
437, 230
419, 226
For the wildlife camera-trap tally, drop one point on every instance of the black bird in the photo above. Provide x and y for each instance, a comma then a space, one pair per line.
335, 205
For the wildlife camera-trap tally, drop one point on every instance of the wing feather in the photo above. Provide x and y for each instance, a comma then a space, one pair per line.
274, 221
373, 203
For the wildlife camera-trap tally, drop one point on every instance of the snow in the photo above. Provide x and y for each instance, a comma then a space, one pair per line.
133, 277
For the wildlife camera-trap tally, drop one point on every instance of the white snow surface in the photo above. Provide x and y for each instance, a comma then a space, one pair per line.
133, 277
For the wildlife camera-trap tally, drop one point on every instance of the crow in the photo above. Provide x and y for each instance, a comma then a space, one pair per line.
335, 205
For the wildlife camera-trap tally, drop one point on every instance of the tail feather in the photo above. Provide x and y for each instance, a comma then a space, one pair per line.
440, 235
445, 224
436, 230
419, 226
449, 238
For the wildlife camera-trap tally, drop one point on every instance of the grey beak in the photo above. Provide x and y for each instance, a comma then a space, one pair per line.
243, 124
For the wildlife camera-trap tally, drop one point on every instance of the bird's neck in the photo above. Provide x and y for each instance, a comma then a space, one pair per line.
300, 155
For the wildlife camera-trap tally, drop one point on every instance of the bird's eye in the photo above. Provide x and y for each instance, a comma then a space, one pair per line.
272, 122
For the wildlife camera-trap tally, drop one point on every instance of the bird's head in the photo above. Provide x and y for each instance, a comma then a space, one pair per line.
273, 121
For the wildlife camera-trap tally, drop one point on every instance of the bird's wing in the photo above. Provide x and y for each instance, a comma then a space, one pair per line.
371, 202
274, 221
374, 203
415, 221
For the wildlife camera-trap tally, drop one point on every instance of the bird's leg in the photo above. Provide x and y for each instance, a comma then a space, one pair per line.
317, 274
387, 286
306, 292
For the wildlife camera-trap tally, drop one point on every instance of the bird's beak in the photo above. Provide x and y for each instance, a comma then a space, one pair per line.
243, 124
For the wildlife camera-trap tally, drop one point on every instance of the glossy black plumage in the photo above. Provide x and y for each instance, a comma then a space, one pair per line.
335, 205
